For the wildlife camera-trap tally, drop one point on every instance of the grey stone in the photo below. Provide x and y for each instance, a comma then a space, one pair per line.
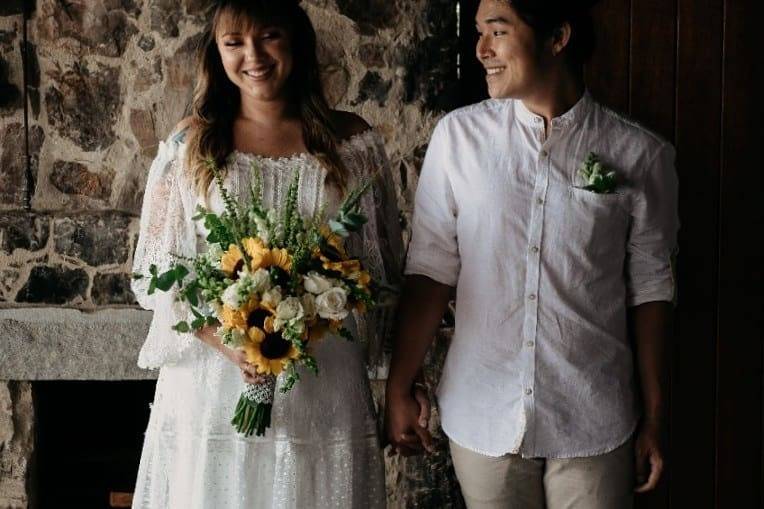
12, 165
10, 94
146, 43
165, 16
181, 68
84, 103
370, 15
75, 178
373, 87
372, 55
66, 344
96, 240
54, 285
102, 26
16, 443
8, 279
111, 289
27, 231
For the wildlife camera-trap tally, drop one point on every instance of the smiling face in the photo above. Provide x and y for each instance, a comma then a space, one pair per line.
257, 59
508, 49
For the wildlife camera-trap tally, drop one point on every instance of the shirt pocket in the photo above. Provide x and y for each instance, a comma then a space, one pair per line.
598, 222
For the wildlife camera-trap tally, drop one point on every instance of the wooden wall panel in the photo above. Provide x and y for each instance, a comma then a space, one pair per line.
607, 74
698, 134
739, 348
652, 90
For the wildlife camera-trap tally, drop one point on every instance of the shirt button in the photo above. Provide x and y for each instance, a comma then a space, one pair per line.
528, 392
539, 200
529, 344
535, 249
532, 296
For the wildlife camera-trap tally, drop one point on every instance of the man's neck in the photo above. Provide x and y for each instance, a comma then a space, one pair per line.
555, 98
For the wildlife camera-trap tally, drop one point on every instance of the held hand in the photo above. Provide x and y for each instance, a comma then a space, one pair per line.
423, 399
236, 356
403, 418
649, 458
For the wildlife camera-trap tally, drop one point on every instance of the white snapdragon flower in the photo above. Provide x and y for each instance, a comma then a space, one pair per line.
232, 296
233, 338
332, 304
272, 297
214, 253
316, 284
308, 301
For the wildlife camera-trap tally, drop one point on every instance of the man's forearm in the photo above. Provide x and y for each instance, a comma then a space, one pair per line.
420, 310
651, 325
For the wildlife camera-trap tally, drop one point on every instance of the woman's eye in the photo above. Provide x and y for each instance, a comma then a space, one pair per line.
231, 43
497, 33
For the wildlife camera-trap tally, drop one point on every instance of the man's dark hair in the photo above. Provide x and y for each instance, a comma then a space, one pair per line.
545, 16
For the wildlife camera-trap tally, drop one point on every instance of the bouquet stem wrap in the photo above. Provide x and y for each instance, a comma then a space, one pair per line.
253, 411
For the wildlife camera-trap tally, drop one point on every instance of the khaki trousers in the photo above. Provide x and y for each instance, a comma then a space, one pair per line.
514, 482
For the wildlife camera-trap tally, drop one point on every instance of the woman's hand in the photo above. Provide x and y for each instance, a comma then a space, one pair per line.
237, 357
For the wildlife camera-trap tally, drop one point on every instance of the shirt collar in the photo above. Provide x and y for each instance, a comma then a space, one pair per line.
570, 117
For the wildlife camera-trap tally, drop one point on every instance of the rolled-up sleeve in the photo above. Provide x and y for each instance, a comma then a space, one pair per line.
433, 251
652, 242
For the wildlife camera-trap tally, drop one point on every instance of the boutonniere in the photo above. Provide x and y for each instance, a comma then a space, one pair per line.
597, 177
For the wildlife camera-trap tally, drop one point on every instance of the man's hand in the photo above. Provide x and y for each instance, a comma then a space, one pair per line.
649, 458
406, 420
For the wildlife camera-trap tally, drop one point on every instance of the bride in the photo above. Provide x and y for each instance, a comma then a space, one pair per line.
259, 100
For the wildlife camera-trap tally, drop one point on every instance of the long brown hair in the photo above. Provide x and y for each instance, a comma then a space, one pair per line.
217, 100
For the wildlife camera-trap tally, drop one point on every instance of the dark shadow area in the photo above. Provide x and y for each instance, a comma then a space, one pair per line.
88, 440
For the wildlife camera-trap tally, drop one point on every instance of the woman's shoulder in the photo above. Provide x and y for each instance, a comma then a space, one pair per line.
180, 132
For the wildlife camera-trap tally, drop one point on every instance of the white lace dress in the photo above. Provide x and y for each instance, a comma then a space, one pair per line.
322, 449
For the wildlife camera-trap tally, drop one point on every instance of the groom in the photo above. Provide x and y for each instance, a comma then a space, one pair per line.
550, 263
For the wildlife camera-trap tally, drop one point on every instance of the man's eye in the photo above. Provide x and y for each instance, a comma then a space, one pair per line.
498, 33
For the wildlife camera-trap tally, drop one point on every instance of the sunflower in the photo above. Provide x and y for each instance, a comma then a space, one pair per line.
347, 267
232, 262
268, 351
334, 241
239, 318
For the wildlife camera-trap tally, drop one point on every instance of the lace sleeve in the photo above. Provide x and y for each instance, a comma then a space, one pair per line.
166, 229
382, 251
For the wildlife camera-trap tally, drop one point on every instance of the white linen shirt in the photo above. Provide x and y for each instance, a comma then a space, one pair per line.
540, 362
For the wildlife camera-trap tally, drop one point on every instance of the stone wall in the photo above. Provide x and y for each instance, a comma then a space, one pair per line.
80, 120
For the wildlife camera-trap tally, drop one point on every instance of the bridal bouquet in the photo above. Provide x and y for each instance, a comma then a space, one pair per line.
275, 282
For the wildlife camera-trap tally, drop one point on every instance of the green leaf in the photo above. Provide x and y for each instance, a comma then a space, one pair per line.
181, 327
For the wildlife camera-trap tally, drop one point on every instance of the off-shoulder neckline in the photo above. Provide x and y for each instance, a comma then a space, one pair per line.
344, 144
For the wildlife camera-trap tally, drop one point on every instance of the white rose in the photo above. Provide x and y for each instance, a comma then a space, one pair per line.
289, 309
331, 304
272, 297
231, 296
309, 306
316, 284
261, 281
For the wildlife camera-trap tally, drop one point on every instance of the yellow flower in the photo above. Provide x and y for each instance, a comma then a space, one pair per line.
256, 251
334, 240
268, 352
239, 318
346, 268
232, 262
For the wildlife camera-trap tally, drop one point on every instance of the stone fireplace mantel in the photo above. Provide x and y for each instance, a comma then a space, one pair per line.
68, 344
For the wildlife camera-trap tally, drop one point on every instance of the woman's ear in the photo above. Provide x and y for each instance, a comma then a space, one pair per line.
561, 38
